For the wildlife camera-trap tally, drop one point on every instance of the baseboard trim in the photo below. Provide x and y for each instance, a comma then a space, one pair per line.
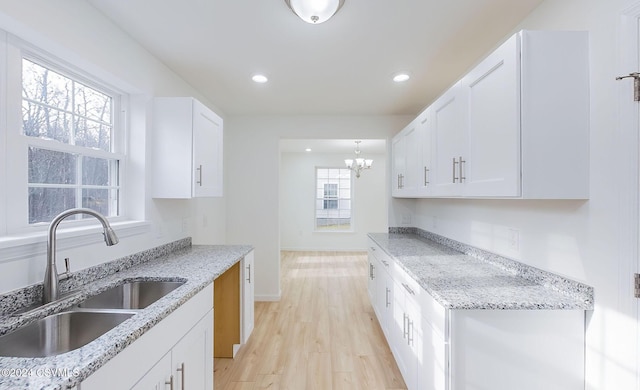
267, 298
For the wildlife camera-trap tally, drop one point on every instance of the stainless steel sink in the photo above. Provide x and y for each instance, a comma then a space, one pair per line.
131, 295
60, 333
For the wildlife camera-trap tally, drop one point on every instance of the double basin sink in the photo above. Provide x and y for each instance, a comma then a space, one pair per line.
88, 320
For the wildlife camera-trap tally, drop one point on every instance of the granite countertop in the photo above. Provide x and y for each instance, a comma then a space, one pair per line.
462, 277
198, 266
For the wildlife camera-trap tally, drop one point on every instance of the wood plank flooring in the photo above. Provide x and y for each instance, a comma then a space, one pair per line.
322, 334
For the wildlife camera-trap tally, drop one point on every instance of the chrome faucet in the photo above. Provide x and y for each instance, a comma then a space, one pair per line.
51, 274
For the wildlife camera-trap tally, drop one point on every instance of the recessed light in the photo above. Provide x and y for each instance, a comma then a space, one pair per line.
400, 77
260, 78
307, 150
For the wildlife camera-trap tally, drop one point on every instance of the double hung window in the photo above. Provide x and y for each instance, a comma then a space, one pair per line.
333, 199
71, 129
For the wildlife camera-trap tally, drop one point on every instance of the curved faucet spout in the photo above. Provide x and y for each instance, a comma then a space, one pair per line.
50, 283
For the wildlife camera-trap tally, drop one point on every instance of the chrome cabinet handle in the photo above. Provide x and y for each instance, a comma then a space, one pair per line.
371, 271
399, 181
249, 268
409, 332
460, 165
426, 176
386, 299
404, 325
181, 371
170, 382
406, 287
199, 169
454, 169
373, 248
385, 263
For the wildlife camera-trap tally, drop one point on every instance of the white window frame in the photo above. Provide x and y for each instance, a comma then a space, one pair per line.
351, 228
17, 236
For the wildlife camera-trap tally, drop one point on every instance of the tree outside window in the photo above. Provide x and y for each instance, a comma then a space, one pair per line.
71, 159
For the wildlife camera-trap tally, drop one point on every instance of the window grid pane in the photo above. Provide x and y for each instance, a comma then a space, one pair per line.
333, 199
57, 108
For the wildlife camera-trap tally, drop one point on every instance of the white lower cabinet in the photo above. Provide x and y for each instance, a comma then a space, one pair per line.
381, 288
156, 378
437, 348
177, 353
248, 292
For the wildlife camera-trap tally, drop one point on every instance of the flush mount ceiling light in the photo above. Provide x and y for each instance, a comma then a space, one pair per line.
360, 163
314, 11
400, 77
260, 78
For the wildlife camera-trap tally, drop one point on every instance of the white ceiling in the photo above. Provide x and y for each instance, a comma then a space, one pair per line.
341, 67
339, 146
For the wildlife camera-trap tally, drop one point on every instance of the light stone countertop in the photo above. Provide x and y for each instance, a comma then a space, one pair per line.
197, 265
459, 276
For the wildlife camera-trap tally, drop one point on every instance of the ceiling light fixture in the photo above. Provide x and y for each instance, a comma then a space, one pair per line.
400, 77
260, 78
360, 163
314, 11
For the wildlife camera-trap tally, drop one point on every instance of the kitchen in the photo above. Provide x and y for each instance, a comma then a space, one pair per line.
592, 241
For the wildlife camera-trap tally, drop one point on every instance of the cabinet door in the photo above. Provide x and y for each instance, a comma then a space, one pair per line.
433, 366
384, 297
371, 281
425, 163
449, 137
398, 169
192, 357
158, 377
207, 152
248, 292
402, 337
491, 164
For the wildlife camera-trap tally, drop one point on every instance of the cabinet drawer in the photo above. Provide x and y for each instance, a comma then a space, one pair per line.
432, 312
384, 259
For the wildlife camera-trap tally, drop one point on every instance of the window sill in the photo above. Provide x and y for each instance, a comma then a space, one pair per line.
21, 246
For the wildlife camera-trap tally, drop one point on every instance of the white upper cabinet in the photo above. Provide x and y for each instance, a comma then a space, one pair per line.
448, 131
407, 149
187, 149
516, 125
490, 163
407, 157
424, 187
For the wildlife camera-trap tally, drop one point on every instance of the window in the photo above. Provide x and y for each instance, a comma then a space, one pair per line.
70, 130
333, 199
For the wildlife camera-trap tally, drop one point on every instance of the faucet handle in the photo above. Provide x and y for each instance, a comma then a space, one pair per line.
67, 270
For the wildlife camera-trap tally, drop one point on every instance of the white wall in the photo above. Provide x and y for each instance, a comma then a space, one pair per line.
252, 181
80, 35
578, 239
297, 203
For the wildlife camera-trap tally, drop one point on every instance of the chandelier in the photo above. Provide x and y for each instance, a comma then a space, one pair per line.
314, 11
359, 163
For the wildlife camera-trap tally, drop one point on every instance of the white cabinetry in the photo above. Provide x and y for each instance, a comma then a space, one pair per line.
406, 152
380, 286
412, 158
517, 125
186, 149
248, 292
179, 348
443, 349
448, 132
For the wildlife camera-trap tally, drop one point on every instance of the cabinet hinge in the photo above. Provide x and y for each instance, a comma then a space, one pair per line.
636, 285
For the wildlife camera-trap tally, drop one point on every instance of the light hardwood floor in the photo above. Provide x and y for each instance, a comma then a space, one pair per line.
322, 334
